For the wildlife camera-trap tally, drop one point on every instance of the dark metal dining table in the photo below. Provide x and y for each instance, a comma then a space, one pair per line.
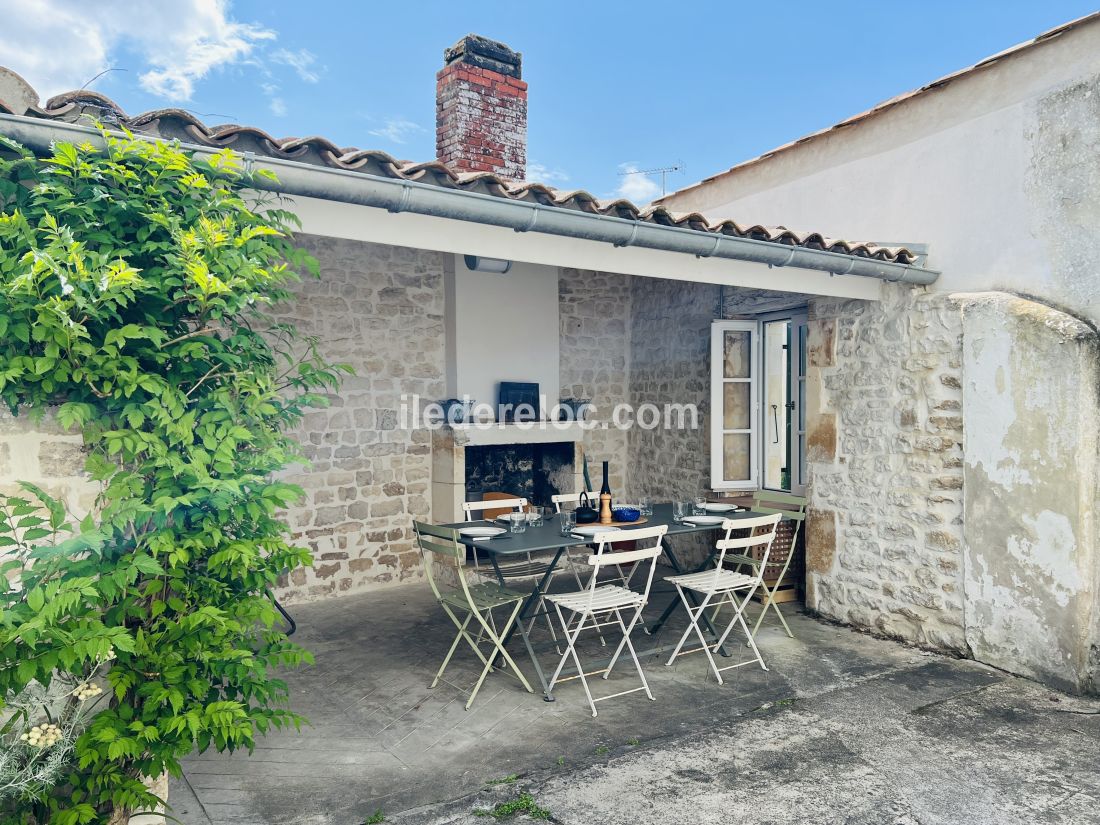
549, 539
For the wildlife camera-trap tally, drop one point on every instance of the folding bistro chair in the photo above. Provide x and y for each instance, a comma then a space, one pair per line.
788, 507
488, 509
535, 565
599, 606
473, 604
576, 560
720, 586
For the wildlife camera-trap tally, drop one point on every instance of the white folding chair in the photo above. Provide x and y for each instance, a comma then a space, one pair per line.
720, 586
600, 606
576, 560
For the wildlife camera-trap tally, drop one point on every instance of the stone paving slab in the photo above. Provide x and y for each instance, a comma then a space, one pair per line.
849, 722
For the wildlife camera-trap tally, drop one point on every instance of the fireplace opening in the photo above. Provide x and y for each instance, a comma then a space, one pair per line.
533, 471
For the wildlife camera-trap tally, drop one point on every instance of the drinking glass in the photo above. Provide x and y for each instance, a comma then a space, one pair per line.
517, 522
699, 506
568, 521
678, 512
536, 516
645, 505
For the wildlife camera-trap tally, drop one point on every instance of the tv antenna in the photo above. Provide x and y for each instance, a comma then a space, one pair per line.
663, 171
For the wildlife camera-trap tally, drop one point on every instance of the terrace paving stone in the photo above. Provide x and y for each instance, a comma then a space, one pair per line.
843, 727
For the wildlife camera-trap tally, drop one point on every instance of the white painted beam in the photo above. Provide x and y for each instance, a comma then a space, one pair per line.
365, 223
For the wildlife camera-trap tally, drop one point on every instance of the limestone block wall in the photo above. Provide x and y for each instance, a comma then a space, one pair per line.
42, 452
380, 309
594, 356
670, 364
884, 534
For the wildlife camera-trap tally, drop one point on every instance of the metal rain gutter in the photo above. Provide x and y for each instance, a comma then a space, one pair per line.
396, 195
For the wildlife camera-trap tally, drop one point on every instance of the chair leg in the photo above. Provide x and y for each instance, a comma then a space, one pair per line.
739, 618
570, 650
498, 648
694, 616
630, 647
769, 603
454, 645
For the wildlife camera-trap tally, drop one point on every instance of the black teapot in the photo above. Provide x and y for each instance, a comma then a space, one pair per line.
586, 513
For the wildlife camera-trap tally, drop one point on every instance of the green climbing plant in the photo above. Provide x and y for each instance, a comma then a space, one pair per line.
136, 281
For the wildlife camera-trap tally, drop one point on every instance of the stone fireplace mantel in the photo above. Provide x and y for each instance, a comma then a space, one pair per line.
535, 432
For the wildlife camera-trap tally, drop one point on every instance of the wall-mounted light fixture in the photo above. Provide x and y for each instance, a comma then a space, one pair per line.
476, 263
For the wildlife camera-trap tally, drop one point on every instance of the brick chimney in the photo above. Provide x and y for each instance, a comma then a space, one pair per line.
481, 109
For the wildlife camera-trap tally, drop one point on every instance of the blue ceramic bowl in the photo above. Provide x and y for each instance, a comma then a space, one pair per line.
626, 513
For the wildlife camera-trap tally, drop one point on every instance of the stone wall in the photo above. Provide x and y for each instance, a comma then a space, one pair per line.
884, 455
380, 309
594, 310
670, 364
41, 452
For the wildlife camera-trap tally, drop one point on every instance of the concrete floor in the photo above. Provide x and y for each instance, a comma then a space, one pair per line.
842, 728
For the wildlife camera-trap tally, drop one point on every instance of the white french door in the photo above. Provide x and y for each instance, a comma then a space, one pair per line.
758, 393
735, 405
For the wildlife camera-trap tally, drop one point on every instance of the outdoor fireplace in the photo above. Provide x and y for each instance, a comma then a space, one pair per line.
534, 461
534, 471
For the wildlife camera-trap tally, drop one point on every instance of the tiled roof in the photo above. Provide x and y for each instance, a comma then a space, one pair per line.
18, 98
895, 101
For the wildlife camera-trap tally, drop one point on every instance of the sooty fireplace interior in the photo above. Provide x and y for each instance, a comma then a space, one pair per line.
534, 471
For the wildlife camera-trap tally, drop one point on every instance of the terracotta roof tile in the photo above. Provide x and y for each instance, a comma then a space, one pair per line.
178, 124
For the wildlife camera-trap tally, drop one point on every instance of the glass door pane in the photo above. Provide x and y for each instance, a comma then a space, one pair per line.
777, 412
799, 334
734, 405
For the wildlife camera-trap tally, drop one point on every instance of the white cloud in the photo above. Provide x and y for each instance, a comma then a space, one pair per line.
59, 45
275, 101
544, 174
636, 186
397, 129
302, 61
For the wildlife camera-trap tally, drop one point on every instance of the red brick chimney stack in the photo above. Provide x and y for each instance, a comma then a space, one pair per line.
481, 109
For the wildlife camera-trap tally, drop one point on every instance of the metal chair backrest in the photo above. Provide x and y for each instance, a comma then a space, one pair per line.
490, 508
569, 498
787, 505
761, 532
441, 543
605, 556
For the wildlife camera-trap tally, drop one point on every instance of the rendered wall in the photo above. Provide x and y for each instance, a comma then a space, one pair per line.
501, 327
995, 171
1031, 380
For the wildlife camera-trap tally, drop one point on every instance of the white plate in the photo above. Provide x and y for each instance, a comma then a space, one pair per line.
593, 529
718, 507
481, 532
704, 520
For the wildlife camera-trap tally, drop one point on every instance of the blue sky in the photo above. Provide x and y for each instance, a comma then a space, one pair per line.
611, 84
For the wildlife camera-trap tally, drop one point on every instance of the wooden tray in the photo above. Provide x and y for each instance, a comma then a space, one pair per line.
641, 520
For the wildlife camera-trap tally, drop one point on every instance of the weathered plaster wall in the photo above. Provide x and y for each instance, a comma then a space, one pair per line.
995, 171
594, 313
379, 308
1031, 380
884, 445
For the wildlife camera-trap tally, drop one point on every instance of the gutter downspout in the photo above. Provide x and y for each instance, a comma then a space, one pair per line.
395, 195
